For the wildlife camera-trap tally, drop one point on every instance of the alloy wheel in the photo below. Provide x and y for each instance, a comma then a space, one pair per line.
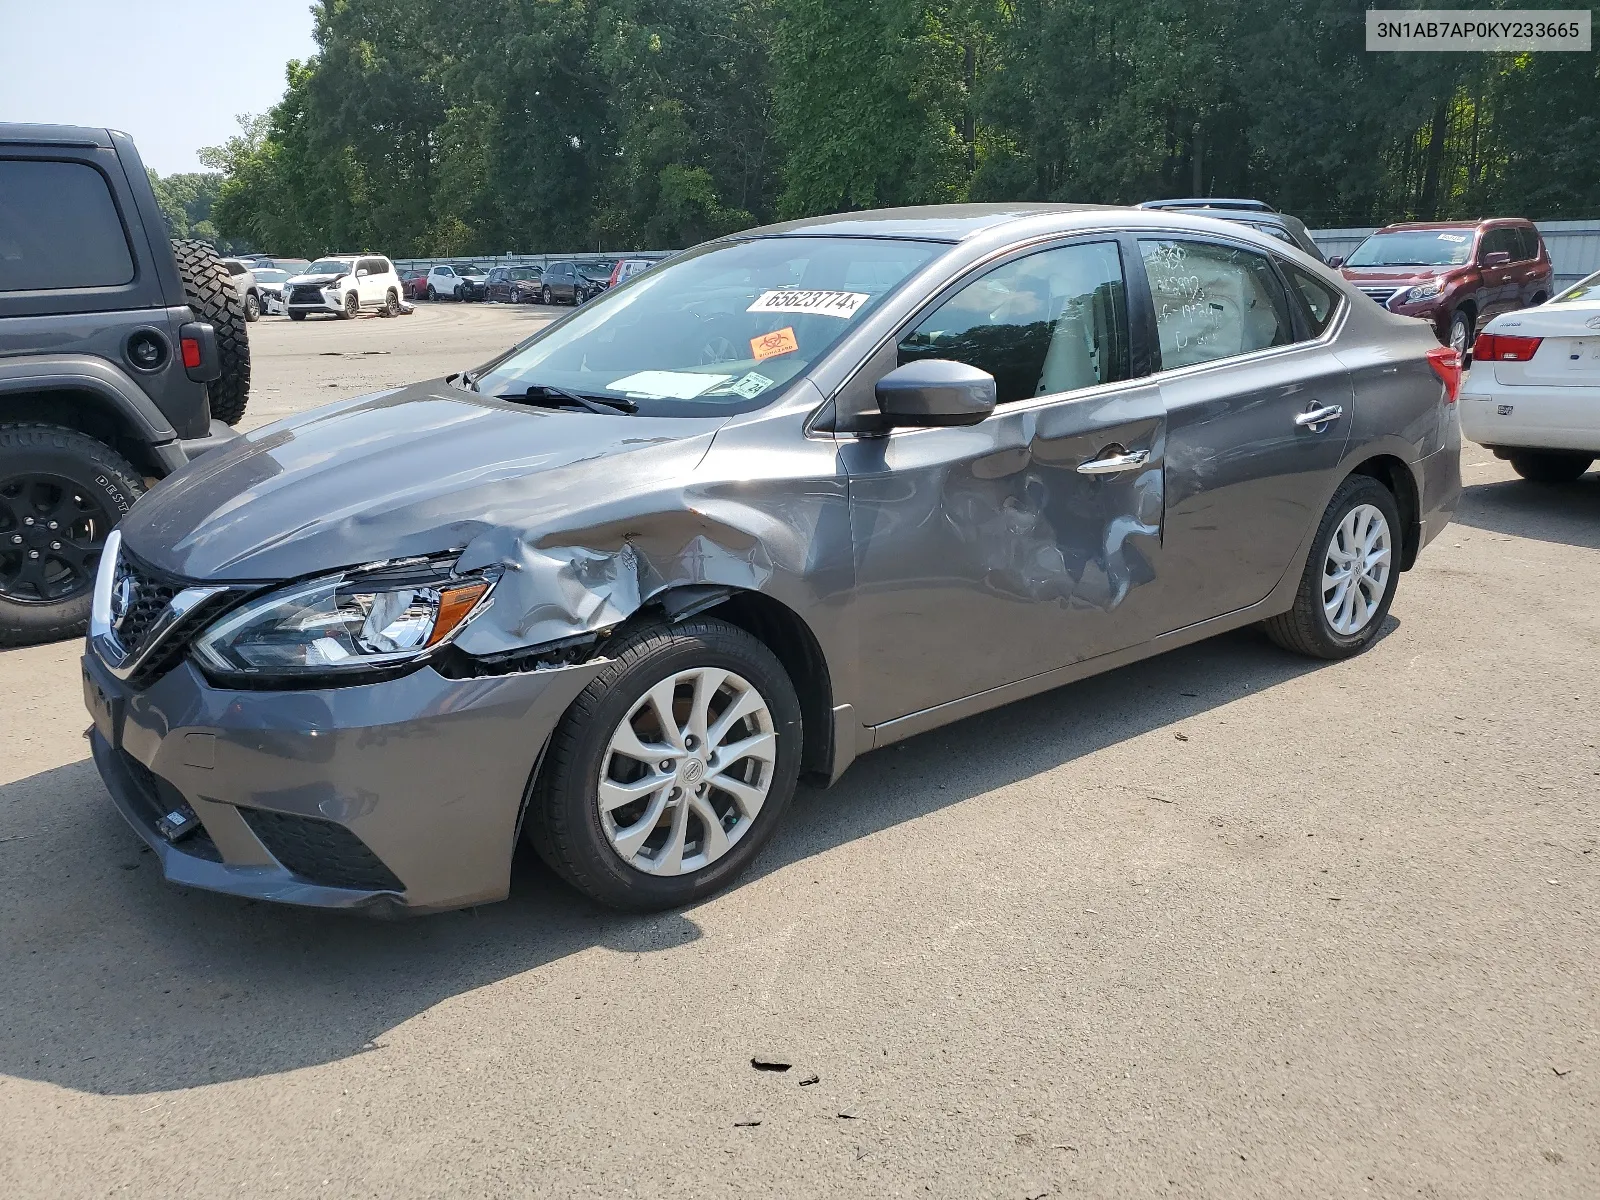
52, 532
1355, 572
687, 771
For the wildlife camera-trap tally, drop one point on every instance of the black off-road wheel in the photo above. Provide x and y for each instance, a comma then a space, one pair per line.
61, 492
208, 287
1549, 466
671, 770
1350, 576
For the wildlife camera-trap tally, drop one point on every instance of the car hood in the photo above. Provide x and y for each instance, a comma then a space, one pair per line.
314, 279
415, 471
1396, 275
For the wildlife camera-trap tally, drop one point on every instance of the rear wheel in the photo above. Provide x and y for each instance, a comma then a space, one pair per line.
1549, 466
671, 769
1350, 576
209, 290
61, 492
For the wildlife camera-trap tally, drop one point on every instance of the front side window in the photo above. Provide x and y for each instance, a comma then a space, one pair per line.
59, 228
1414, 248
1050, 322
1212, 301
1501, 241
1321, 300
717, 331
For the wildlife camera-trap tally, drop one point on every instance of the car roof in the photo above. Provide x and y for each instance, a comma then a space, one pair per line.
60, 135
1480, 223
1223, 202
931, 222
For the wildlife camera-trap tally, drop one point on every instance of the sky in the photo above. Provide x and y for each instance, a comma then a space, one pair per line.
173, 73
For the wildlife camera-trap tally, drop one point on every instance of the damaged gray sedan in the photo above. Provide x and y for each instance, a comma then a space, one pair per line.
792, 496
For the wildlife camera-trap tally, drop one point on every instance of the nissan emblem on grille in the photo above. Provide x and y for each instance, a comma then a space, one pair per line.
121, 597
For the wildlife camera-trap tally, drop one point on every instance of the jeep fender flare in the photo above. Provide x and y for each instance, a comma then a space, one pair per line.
107, 389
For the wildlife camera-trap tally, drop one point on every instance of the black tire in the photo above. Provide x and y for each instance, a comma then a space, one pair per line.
391, 306
110, 484
431, 294
1549, 466
352, 307
544, 296
1305, 628
210, 293
1461, 333
252, 307
563, 819
297, 316
1538, 299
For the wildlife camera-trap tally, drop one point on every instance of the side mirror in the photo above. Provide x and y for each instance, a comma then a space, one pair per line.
1336, 261
936, 391
1496, 258
362, 273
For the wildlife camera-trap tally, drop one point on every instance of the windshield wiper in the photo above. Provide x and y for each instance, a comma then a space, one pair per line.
563, 397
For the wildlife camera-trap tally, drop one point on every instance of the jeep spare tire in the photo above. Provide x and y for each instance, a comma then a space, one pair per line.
209, 289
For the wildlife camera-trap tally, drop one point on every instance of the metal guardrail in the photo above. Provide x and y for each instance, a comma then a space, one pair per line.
1574, 246
526, 260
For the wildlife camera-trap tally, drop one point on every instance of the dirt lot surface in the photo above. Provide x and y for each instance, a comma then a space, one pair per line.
1224, 924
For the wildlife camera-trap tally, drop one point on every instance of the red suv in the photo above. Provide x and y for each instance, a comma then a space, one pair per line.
1456, 274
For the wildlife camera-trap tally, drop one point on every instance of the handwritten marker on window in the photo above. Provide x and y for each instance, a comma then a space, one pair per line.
770, 345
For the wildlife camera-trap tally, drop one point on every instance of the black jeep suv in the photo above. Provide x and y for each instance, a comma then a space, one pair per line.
122, 356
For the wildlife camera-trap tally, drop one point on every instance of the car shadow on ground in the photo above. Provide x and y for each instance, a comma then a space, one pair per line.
1565, 513
116, 983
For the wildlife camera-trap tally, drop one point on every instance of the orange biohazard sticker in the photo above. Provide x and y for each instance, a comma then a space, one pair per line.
770, 345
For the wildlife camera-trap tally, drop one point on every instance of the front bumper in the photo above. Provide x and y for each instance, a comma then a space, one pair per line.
326, 304
401, 795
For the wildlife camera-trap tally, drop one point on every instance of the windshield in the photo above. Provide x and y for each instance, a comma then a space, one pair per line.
1587, 288
715, 331
268, 275
470, 269
330, 266
522, 272
1414, 248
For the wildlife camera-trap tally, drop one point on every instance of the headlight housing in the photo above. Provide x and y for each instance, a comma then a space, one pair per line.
349, 622
1424, 291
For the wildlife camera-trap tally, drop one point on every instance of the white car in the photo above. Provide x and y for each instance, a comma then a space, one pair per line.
243, 278
459, 282
1533, 394
343, 285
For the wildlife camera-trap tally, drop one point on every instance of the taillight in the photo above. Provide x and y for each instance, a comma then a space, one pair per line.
1497, 347
191, 352
1446, 364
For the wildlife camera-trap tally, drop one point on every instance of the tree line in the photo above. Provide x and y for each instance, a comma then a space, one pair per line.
430, 127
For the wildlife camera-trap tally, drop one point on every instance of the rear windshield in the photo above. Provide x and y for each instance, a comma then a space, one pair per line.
718, 330
1414, 248
59, 228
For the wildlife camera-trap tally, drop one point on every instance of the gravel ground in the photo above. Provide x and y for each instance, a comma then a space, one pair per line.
1223, 924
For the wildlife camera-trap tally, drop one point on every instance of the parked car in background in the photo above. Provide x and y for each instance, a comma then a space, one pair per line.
793, 495
343, 285
1455, 274
269, 282
244, 283
513, 285
626, 269
571, 283
1255, 213
413, 284
456, 281
1533, 394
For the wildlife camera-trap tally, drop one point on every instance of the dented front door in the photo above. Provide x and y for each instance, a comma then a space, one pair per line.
993, 553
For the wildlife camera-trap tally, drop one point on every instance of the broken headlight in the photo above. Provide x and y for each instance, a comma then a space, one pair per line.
345, 622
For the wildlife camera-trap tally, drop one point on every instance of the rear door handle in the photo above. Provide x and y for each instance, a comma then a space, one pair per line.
1319, 419
1113, 463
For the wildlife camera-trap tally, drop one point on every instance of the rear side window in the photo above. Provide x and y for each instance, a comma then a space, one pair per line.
1321, 300
59, 228
1529, 238
1212, 301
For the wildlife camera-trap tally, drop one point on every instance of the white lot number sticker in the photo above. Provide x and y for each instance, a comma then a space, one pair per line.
1454, 237
750, 386
825, 304
666, 385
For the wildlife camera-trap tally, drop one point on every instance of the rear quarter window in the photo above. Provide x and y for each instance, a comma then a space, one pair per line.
1321, 300
59, 228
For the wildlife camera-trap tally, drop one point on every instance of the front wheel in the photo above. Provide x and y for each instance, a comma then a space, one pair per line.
1549, 466
297, 316
672, 768
252, 307
352, 306
392, 307
1461, 334
1349, 578
544, 296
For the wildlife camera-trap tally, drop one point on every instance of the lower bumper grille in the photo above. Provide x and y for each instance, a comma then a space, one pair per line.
157, 798
321, 852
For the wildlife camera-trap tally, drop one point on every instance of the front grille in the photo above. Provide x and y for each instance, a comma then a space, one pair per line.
306, 294
174, 647
320, 851
157, 798
151, 593
1381, 294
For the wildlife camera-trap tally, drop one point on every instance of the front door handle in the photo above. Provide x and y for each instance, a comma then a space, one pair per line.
1320, 418
1113, 463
